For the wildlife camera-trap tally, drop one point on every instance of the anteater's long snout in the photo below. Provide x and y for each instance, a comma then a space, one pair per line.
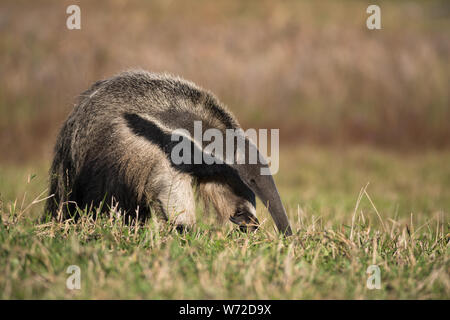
265, 188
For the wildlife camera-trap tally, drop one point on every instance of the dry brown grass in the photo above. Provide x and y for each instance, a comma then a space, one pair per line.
310, 68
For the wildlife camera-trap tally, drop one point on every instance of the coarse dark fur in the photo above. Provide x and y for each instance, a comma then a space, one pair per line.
114, 149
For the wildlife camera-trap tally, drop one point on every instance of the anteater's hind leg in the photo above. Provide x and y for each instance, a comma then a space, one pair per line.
175, 200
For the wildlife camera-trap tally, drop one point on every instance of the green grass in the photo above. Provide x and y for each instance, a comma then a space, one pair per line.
400, 223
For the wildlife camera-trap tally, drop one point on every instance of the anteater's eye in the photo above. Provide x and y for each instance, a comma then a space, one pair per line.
239, 213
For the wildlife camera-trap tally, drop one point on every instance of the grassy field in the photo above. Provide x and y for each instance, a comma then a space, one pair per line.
350, 208
364, 131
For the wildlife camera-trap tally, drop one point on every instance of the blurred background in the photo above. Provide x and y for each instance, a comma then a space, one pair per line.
310, 68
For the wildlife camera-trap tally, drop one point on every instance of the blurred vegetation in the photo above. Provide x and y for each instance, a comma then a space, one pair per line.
310, 68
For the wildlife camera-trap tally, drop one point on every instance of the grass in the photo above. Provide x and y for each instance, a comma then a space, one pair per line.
399, 221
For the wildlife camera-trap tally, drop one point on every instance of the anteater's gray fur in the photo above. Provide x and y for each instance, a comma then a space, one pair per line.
115, 146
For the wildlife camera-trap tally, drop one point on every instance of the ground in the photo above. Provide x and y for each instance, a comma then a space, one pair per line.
349, 207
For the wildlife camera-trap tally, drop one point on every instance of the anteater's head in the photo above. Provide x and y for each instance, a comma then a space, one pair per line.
258, 179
